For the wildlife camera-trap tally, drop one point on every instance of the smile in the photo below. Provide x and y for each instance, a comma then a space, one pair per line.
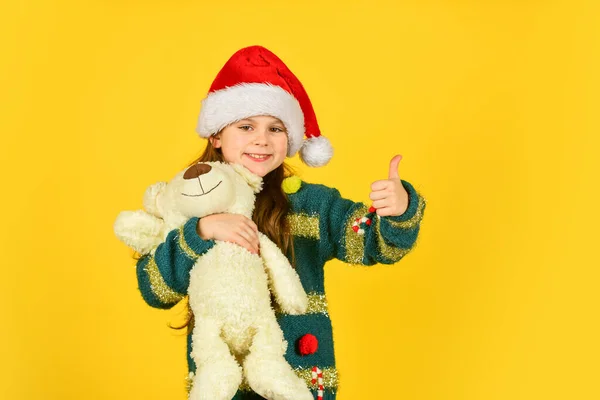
258, 157
198, 195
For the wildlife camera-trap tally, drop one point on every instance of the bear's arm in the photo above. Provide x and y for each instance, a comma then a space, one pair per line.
348, 231
164, 276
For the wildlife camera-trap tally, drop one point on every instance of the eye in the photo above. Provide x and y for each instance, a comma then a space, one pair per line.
245, 127
276, 129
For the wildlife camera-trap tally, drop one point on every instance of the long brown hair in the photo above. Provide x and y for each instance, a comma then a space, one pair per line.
270, 210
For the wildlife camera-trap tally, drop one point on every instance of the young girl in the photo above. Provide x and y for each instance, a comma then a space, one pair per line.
256, 114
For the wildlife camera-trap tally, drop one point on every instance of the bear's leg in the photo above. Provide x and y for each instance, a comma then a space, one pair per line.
267, 371
218, 375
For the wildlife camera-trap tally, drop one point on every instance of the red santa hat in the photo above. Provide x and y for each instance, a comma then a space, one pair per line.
254, 81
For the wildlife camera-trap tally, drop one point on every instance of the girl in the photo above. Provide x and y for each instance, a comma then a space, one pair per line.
256, 114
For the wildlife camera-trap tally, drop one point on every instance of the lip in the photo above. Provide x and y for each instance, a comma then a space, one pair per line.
203, 194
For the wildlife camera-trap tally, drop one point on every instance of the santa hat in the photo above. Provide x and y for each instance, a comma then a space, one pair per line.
254, 81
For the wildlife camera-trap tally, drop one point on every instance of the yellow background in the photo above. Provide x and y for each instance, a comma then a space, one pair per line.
493, 104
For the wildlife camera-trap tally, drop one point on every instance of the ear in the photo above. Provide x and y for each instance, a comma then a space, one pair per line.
139, 230
215, 140
254, 181
150, 197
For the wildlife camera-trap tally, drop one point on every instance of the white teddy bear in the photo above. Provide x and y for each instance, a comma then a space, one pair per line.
229, 288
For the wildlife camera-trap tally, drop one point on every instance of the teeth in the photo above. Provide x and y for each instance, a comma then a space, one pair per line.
258, 156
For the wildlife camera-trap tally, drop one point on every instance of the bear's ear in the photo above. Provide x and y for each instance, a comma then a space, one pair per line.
139, 230
150, 197
254, 181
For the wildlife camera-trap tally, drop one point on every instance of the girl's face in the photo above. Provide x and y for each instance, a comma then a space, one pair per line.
259, 143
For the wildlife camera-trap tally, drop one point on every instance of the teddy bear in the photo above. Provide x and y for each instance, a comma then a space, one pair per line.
236, 335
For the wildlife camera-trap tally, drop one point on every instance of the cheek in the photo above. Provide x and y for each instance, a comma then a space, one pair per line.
232, 146
282, 144
241, 143
229, 153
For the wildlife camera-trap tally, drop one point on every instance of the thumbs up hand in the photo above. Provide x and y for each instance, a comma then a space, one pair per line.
388, 195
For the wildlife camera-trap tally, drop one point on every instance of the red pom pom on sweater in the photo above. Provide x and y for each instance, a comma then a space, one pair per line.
308, 344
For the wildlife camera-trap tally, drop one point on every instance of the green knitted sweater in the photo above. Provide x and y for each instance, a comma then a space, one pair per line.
324, 226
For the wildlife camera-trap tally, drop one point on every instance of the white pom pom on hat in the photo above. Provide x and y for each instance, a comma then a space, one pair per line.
254, 81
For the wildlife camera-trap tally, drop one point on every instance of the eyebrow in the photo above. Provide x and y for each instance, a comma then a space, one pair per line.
249, 119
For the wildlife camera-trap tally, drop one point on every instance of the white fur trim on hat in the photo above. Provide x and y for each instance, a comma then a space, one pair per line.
316, 151
226, 106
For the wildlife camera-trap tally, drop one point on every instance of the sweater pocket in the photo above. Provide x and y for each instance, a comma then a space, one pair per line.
312, 333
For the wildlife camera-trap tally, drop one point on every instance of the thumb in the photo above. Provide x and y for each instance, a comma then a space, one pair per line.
394, 167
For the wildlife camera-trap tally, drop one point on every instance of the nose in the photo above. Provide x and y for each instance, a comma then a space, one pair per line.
261, 136
196, 170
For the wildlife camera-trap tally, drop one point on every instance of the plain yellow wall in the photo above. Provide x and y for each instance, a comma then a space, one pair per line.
493, 104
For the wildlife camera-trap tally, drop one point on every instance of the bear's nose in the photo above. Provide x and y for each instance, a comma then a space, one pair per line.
196, 170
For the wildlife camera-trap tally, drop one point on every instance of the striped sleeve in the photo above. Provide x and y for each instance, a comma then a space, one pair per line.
352, 233
163, 277
395, 236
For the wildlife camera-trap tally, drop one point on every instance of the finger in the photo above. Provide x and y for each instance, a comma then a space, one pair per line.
380, 185
378, 195
393, 174
246, 232
251, 224
380, 203
255, 241
384, 212
242, 241
252, 230
250, 235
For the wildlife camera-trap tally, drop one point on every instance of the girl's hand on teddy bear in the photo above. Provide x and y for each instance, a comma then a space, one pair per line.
233, 228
